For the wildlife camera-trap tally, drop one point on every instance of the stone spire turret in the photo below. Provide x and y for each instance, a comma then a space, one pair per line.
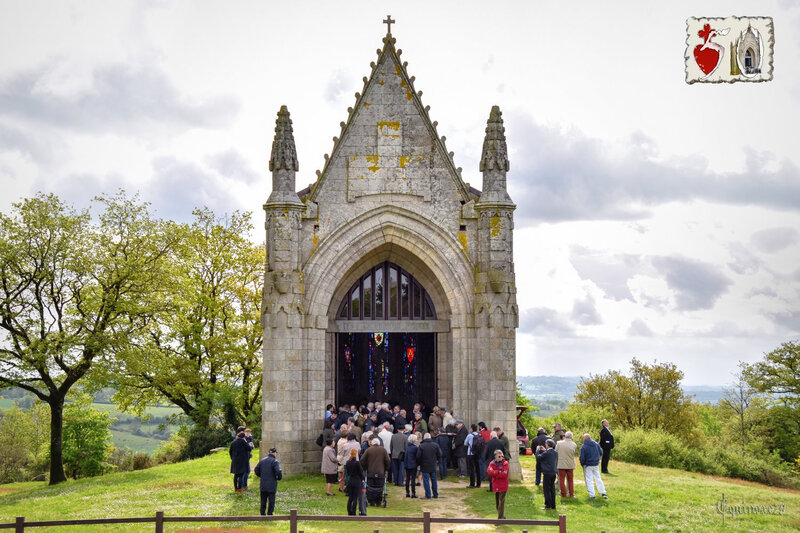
282, 301
283, 161
495, 300
494, 162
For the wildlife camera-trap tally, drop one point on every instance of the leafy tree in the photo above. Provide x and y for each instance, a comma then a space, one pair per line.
580, 419
87, 439
650, 398
778, 376
738, 398
778, 373
23, 442
782, 425
70, 292
207, 347
709, 421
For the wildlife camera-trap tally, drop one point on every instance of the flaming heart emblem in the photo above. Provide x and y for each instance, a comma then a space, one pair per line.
709, 54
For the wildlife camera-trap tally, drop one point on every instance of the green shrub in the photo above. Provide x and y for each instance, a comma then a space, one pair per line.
24, 439
641, 447
171, 450
87, 439
201, 440
126, 460
578, 419
660, 449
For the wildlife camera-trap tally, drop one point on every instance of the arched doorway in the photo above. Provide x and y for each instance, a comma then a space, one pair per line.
387, 352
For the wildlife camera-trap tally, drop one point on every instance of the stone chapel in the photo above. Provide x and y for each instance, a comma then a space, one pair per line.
389, 278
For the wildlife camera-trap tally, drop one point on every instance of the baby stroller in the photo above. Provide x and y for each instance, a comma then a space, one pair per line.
376, 489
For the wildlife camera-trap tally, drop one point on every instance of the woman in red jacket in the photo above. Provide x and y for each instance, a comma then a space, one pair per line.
498, 471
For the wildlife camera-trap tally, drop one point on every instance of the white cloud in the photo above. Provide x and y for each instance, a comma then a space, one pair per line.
775, 239
120, 98
565, 175
585, 313
697, 285
639, 328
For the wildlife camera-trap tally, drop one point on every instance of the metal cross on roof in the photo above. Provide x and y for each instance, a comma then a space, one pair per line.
389, 21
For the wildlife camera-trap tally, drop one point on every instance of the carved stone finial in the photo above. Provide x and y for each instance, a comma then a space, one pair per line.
284, 153
495, 152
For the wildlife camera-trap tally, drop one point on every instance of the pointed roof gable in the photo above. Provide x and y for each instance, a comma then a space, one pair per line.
391, 54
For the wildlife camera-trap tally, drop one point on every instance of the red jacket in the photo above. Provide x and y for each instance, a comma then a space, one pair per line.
499, 475
486, 434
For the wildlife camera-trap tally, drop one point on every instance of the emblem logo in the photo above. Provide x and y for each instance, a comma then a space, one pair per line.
729, 49
378, 338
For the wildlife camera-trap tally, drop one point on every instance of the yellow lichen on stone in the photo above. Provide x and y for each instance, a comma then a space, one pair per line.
403, 159
374, 160
393, 125
315, 240
462, 238
495, 225
366, 104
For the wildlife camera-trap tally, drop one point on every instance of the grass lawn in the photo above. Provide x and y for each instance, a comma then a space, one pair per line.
640, 499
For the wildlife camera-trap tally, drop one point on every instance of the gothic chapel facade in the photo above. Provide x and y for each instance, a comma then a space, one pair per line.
389, 278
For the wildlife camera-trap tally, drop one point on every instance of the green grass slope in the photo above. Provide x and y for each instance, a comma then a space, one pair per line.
640, 499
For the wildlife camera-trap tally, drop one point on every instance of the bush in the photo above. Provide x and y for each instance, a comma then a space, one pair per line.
24, 440
125, 460
660, 449
87, 439
201, 440
577, 419
171, 450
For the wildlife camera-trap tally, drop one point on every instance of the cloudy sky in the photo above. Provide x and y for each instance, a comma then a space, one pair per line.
655, 219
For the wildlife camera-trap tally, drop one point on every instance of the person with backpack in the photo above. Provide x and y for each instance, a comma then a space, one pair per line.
474, 443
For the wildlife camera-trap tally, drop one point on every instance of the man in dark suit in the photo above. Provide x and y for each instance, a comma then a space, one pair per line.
269, 470
606, 443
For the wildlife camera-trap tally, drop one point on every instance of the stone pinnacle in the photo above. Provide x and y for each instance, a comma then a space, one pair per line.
284, 154
495, 153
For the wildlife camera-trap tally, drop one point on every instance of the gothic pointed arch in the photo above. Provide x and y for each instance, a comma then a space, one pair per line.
386, 292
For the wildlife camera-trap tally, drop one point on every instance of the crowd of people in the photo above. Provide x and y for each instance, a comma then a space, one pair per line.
555, 459
370, 445
365, 447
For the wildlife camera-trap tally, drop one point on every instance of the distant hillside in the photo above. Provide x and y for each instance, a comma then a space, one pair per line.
549, 388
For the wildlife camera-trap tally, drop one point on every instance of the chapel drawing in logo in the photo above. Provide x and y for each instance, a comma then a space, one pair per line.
729, 49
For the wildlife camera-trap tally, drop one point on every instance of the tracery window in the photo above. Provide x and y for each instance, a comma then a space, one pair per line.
367, 298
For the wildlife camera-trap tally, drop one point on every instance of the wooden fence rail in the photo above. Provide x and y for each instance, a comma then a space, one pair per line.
293, 518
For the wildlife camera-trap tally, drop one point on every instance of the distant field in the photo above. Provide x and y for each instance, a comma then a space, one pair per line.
151, 411
122, 437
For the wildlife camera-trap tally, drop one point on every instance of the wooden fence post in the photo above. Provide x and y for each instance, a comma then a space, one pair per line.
293, 521
19, 524
159, 521
562, 523
426, 522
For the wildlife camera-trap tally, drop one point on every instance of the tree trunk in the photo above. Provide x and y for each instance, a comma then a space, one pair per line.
56, 440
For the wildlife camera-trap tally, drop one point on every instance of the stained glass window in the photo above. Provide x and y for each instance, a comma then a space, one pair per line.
407, 298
